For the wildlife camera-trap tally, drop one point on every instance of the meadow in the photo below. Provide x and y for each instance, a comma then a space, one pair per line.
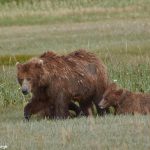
116, 31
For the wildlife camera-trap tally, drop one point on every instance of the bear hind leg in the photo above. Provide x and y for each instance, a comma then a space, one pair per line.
86, 108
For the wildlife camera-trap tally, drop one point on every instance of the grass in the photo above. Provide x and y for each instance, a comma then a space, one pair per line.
116, 31
116, 36
125, 132
49, 11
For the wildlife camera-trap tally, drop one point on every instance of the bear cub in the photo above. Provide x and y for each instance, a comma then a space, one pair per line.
124, 101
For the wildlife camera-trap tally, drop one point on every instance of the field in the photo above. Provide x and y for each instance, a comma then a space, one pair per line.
118, 32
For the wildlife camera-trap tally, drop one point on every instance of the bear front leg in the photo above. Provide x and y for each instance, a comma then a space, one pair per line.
27, 111
61, 107
32, 108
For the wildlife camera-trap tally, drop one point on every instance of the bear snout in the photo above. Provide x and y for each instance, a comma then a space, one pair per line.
25, 91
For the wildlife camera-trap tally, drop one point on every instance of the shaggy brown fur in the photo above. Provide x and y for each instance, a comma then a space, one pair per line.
125, 102
56, 80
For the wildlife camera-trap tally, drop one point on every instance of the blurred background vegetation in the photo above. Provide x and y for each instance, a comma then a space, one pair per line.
22, 12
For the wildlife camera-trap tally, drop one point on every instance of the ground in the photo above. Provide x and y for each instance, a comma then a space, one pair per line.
120, 36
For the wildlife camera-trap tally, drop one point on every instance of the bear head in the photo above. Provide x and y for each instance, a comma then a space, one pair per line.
111, 96
29, 75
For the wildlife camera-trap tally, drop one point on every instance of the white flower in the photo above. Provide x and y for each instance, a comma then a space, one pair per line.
115, 80
3, 146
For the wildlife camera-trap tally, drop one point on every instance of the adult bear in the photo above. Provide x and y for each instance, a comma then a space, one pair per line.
56, 80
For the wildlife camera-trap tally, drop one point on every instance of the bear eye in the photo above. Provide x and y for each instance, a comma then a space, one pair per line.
20, 80
106, 98
29, 79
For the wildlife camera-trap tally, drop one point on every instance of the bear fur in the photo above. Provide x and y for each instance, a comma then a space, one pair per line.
56, 80
125, 102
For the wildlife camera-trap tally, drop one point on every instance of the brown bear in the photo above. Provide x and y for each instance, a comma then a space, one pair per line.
124, 101
56, 80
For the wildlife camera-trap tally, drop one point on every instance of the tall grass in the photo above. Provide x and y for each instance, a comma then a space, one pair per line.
117, 36
19, 12
120, 132
9, 60
9, 88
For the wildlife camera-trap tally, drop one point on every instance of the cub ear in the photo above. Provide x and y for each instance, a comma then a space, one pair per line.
113, 86
18, 65
119, 92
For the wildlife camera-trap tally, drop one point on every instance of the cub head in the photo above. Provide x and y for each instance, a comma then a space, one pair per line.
29, 74
111, 96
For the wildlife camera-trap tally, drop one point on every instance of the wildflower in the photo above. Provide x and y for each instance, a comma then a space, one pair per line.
3, 146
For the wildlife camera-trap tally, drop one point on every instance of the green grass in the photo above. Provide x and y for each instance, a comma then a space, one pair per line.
120, 132
58, 11
116, 36
78, 24
116, 31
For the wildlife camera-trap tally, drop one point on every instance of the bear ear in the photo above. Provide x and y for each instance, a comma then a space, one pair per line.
39, 63
119, 92
113, 86
18, 65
